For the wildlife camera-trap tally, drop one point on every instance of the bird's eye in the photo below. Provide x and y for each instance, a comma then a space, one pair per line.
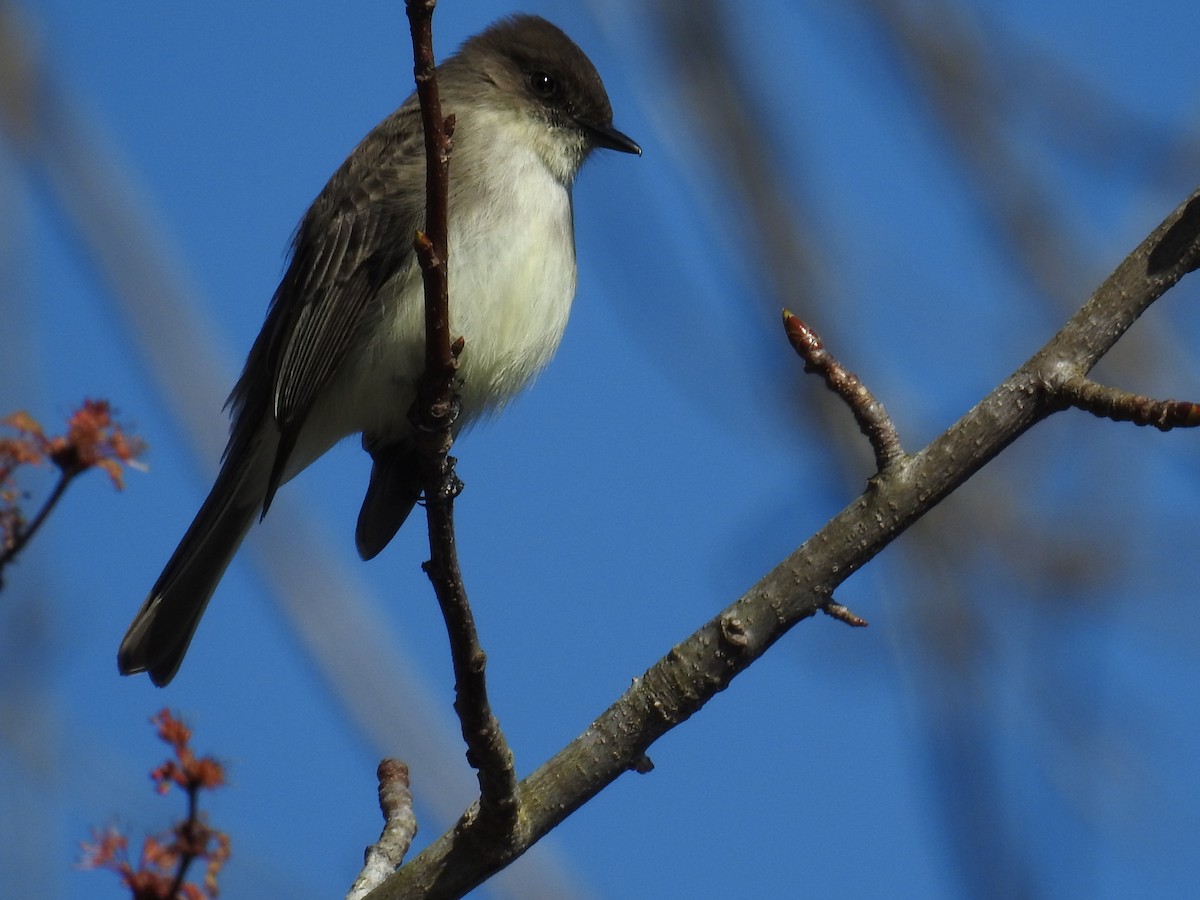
543, 84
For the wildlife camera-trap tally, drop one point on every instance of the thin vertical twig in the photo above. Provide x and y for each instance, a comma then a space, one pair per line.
487, 750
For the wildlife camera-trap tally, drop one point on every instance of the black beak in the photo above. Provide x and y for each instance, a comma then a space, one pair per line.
608, 137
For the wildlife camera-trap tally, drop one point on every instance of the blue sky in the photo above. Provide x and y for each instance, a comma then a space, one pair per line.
658, 467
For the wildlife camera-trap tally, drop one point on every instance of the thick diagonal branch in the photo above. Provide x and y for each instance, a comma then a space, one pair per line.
694, 671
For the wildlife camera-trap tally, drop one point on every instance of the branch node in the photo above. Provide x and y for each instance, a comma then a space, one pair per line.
427, 254
642, 765
733, 632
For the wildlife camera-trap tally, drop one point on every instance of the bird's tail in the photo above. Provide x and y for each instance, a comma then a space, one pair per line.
162, 630
394, 490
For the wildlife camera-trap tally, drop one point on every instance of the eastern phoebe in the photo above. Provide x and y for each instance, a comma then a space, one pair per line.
343, 341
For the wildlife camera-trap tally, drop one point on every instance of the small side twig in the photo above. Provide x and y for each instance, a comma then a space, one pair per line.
835, 610
1123, 406
873, 420
487, 748
399, 828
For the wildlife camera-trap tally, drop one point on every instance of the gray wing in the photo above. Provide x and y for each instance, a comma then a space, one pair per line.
355, 237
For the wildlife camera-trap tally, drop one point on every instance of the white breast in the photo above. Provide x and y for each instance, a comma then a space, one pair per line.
512, 280
511, 265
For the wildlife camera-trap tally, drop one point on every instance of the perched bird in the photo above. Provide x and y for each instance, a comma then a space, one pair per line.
343, 342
